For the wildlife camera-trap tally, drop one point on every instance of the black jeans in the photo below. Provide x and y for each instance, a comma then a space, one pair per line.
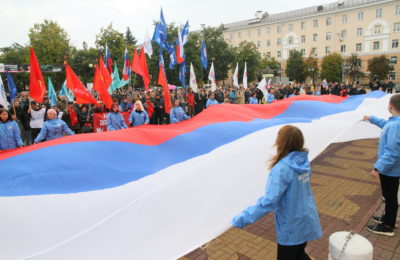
390, 187
296, 252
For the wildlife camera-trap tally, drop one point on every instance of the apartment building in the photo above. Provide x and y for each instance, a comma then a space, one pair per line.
366, 27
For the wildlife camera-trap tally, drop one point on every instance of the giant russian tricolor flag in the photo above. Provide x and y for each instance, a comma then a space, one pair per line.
158, 192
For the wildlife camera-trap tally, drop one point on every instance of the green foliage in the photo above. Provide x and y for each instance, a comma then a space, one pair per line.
115, 42
15, 54
83, 62
129, 38
247, 52
353, 64
295, 68
331, 67
311, 67
50, 42
379, 67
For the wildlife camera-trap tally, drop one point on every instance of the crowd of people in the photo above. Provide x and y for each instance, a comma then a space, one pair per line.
39, 122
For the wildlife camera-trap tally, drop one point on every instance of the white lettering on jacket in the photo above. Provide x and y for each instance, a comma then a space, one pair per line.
305, 177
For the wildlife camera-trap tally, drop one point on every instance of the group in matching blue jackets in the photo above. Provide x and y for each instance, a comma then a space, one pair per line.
177, 114
387, 166
53, 128
10, 136
139, 115
288, 193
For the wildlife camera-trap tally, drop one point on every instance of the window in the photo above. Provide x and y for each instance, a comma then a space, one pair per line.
393, 59
344, 19
315, 37
343, 34
359, 31
329, 21
268, 43
268, 30
360, 16
377, 29
396, 27
231, 36
278, 54
358, 47
278, 29
278, 41
259, 44
392, 75
303, 39
249, 33
290, 27
358, 62
327, 49
342, 48
315, 23
290, 40
268, 54
315, 52
303, 52
303, 25
376, 46
397, 11
258, 32
239, 35
395, 44
328, 36
378, 13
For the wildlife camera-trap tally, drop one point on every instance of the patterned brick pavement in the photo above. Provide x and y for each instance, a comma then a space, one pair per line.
346, 196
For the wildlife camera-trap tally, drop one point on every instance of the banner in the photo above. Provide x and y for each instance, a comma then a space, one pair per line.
100, 121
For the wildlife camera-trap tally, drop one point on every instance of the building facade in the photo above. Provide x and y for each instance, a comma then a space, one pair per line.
367, 28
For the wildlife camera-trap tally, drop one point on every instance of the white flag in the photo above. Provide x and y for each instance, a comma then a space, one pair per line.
147, 45
193, 82
211, 77
262, 85
245, 75
3, 97
236, 76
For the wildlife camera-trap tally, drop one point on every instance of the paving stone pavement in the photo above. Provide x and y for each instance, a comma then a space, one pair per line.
346, 196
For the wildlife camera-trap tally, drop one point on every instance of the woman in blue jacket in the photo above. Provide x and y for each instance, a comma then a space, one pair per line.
177, 114
138, 116
289, 194
115, 120
10, 137
53, 128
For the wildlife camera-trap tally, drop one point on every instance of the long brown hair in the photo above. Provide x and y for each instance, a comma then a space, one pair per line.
289, 139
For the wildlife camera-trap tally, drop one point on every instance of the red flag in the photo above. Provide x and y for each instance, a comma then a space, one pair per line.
150, 108
162, 80
37, 88
82, 95
143, 65
100, 85
136, 64
104, 72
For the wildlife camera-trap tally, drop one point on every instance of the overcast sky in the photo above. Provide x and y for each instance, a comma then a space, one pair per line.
83, 19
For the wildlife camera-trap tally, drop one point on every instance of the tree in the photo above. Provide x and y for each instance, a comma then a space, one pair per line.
115, 42
247, 52
311, 66
50, 42
269, 65
331, 67
129, 38
379, 67
83, 62
16, 54
295, 67
353, 64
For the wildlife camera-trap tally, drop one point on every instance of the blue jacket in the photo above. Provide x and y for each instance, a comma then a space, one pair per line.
53, 129
289, 194
115, 121
10, 137
253, 100
270, 98
388, 162
177, 115
126, 106
138, 118
211, 102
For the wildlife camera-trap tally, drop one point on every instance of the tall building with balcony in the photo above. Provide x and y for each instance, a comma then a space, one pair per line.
367, 28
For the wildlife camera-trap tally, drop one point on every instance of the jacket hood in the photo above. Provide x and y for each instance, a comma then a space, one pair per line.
298, 161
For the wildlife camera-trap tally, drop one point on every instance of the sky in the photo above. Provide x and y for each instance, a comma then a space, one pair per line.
83, 19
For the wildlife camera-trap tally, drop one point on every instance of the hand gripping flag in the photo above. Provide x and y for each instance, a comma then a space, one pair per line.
51, 93
236, 76
11, 87
37, 87
193, 82
82, 95
245, 75
126, 72
203, 56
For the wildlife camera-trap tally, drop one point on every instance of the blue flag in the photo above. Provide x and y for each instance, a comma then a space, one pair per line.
163, 25
161, 58
64, 92
172, 57
52, 93
182, 73
12, 88
203, 57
